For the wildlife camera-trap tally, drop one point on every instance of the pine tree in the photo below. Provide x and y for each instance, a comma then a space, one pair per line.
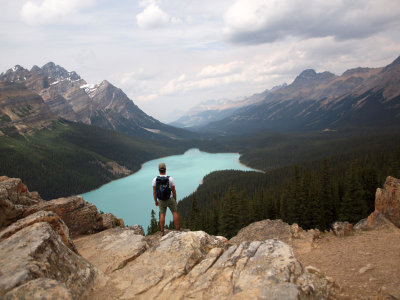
195, 218
353, 207
154, 225
230, 214
326, 198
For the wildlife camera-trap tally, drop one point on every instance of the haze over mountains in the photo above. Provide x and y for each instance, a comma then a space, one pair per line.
69, 96
360, 97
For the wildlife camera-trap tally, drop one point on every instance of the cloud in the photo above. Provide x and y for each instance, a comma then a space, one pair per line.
53, 11
139, 75
210, 76
259, 21
152, 17
221, 70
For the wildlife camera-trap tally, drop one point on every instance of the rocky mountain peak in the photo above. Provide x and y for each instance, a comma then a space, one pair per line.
59, 73
310, 75
35, 68
15, 74
395, 65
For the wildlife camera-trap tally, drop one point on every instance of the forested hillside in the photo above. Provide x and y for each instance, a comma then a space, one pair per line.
312, 194
71, 158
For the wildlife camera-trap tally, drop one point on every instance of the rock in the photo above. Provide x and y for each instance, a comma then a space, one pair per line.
36, 252
80, 216
195, 265
387, 200
14, 199
108, 221
376, 220
294, 235
117, 246
262, 230
40, 289
137, 229
362, 225
342, 228
41, 216
365, 269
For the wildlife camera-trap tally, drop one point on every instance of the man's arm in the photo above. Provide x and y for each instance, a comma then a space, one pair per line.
155, 196
174, 192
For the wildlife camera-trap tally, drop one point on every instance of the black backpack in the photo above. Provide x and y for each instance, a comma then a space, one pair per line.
163, 190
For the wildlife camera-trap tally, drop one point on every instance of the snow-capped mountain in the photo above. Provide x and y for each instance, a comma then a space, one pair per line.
103, 105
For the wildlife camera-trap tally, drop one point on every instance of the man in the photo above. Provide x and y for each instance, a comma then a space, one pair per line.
170, 200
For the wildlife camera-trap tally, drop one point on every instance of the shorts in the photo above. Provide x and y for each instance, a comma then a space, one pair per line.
171, 203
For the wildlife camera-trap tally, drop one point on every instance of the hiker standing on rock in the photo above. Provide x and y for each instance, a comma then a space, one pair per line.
164, 194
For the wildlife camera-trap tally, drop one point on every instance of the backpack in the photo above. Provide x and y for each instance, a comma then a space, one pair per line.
163, 190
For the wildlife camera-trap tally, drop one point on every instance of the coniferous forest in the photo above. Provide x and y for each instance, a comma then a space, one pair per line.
312, 194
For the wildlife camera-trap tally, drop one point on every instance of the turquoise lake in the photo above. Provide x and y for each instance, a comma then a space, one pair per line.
131, 198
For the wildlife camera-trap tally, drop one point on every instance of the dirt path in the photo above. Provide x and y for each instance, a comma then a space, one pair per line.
366, 264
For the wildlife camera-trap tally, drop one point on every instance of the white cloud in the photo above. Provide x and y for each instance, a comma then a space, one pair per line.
152, 17
221, 70
139, 75
260, 21
53, 11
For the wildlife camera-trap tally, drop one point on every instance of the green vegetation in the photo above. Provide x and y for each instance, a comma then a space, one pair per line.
65, 159
4, 118
312, 194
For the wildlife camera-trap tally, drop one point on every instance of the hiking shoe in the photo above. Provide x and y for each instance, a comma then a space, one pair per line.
162, 233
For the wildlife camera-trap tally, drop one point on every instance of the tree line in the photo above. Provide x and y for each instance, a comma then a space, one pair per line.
312, 194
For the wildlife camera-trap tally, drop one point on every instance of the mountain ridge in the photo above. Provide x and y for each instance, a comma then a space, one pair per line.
319, 101
103, 105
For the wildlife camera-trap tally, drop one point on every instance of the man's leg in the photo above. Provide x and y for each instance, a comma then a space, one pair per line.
176, 220
162, 221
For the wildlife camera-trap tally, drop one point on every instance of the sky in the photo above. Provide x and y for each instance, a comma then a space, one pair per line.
170, 55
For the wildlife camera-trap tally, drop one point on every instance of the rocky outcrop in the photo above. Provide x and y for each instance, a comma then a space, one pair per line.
37, 251
117, 247
41, 288
293, 234
80, 216
387, 201
195, 265
14, 200
41, 216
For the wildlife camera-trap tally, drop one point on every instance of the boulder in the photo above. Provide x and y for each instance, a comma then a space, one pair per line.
41, 216
362, 225
387, 200
117, 247
195, 265
342, 228
376, 220
37, 251
80, 216
108, 221
294, 235
14, 199
262, 230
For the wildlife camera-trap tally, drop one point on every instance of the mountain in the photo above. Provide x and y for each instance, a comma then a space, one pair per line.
21, 110
359, 98
59, 157
215, 110
102, 105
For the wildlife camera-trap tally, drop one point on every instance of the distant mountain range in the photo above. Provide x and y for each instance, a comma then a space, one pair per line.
359, 98
69, 96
